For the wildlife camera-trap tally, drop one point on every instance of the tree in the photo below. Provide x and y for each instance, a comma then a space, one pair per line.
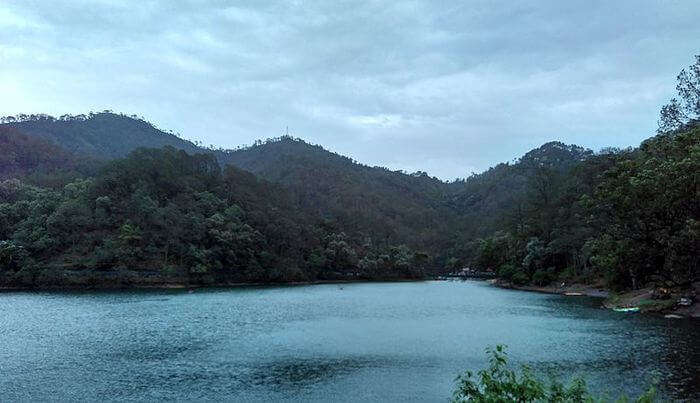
649, 206
11, 256
685, 109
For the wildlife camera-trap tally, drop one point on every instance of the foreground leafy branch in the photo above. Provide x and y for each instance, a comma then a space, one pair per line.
499, 383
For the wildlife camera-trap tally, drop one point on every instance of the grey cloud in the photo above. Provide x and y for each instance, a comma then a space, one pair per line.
447, 87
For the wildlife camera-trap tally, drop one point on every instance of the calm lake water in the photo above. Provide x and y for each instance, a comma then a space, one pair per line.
349, 342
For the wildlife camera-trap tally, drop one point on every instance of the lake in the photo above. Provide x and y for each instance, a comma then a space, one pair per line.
331, 342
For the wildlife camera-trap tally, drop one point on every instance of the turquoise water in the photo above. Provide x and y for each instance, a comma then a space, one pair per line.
349, 342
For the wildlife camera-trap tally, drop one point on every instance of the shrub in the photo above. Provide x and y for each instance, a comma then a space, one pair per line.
11, 256
569, 273
499, 383
506, 271
543, 277
520, 278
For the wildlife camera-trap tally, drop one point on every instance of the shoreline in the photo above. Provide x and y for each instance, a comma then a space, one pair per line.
635, 301
185, 286
569, 290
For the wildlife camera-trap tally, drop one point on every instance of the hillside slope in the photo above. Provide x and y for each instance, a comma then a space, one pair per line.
98, 135
22, 154
39, 161
371, 205
485, 200
368, 202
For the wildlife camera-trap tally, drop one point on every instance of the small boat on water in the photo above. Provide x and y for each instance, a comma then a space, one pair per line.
573, 294
631, 309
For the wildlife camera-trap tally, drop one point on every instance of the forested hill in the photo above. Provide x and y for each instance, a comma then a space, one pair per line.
42, 161
161, 209
162, 215
485, 200
22, 154
366, 203
102, 135
629, 218
371, 202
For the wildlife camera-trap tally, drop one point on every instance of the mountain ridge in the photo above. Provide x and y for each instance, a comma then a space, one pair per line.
103, 135
322, 182
81, 134
286, 210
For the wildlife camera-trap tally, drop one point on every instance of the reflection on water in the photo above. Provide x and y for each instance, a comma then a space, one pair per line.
291, 372
389, 341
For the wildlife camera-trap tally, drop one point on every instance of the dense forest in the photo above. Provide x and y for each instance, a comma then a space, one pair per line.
109, 200
630, 218
165, 216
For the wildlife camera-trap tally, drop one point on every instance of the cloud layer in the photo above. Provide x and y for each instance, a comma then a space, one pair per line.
446, 87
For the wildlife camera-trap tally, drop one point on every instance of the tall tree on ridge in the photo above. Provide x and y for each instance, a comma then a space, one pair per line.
678, 113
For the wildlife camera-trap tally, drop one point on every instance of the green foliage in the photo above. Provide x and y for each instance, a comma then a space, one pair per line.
164, 215
507, 271
390, 207
685, 109
543, 276
12, 256
103, 135
452, 264
520, 278
651, 206
493, 252
536, 251
500, 383
285, 210
627, 217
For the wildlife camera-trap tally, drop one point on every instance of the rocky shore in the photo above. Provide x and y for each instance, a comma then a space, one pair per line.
646, 300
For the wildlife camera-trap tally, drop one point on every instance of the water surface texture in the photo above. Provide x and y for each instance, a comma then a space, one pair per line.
365, 341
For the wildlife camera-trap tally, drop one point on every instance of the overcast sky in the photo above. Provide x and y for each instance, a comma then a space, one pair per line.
444, 87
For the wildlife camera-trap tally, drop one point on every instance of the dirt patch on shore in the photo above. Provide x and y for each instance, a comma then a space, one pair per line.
562, 288
644, 299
